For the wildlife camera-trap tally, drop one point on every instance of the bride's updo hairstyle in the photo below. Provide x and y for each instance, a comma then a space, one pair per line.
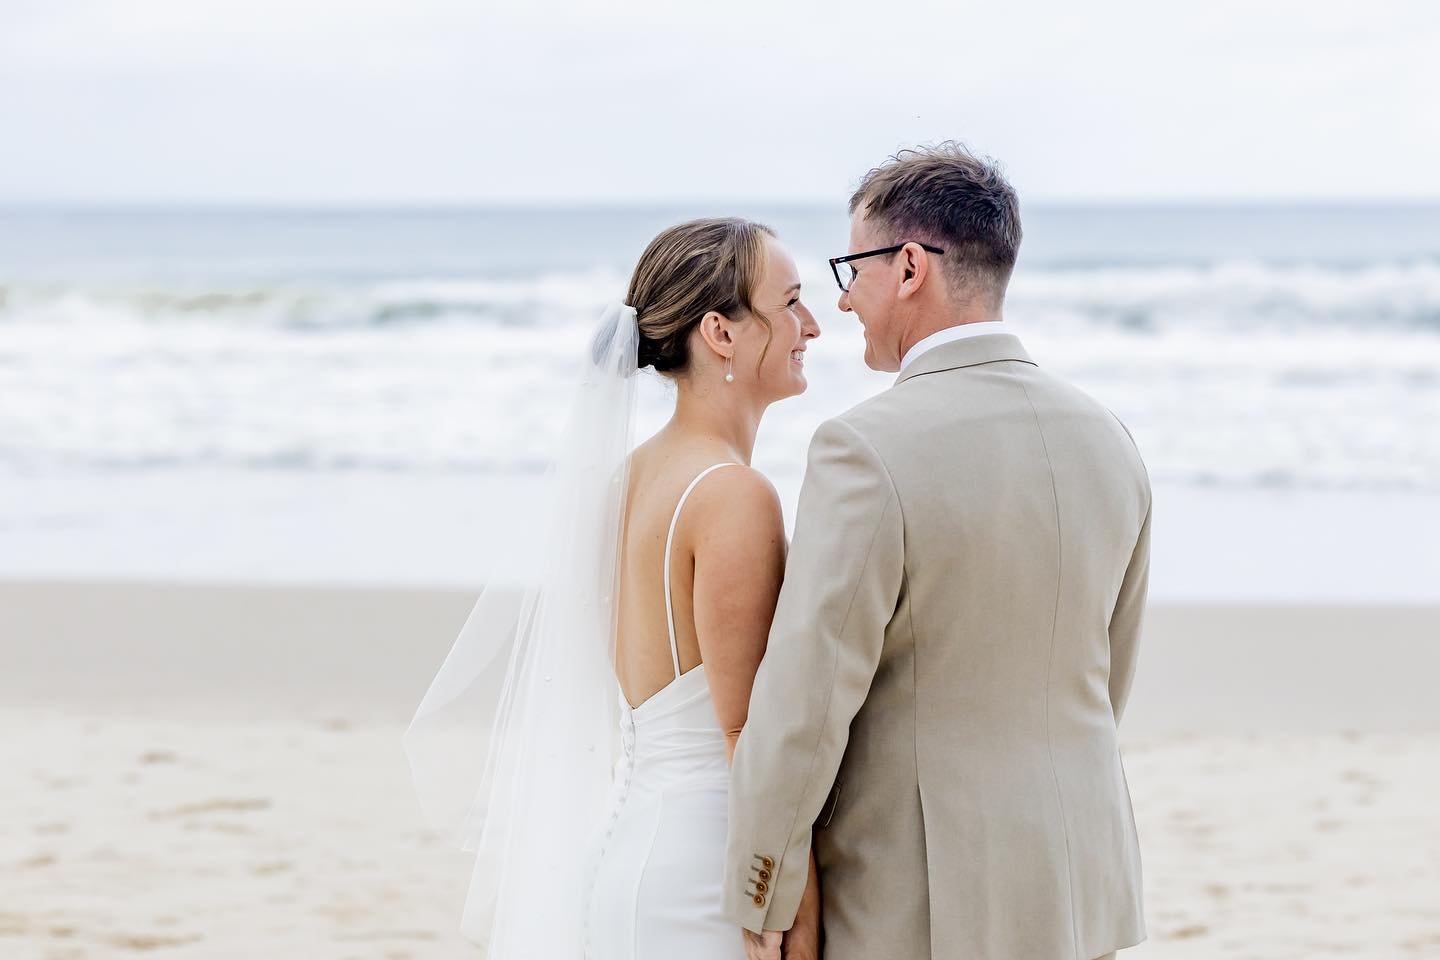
687, 271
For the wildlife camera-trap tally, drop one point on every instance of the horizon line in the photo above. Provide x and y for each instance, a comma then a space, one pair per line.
670, 204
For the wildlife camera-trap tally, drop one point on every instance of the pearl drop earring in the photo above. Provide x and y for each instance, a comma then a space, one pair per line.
729, 373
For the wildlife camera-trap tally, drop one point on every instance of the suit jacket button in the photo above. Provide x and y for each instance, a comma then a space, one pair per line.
759, 900
764, 874
762, 886
767, 863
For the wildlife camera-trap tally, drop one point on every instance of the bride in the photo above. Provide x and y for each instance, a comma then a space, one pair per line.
597, 807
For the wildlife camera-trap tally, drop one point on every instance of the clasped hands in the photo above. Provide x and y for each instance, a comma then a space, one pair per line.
800, 942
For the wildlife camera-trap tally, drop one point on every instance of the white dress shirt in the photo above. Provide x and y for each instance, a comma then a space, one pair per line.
958, 332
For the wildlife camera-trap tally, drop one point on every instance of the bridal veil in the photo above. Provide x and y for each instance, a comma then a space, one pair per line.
512, 746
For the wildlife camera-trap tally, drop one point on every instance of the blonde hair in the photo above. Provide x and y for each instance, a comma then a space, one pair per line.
687, 271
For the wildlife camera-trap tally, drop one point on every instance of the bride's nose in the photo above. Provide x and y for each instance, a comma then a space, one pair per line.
810, 328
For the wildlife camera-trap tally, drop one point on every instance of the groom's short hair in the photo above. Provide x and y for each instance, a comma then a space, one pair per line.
947, 196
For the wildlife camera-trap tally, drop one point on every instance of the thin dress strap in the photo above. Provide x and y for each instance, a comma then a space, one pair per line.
669, 539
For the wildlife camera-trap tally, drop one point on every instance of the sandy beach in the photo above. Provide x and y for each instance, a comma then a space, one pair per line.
216, 772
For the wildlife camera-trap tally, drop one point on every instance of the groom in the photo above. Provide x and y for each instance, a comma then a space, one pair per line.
954, 643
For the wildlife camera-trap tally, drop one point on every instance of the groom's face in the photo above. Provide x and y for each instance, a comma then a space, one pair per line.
872, 297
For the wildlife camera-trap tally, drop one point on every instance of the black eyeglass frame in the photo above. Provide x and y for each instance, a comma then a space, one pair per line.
836, 261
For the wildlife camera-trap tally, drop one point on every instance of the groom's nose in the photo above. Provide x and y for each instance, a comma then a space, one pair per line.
844, 302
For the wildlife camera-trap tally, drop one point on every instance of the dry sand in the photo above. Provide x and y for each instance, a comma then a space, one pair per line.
216, 772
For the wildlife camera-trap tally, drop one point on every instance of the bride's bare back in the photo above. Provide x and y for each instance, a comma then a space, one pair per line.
717, 304
727, 561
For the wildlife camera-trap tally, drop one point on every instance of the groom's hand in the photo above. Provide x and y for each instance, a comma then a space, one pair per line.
762, 946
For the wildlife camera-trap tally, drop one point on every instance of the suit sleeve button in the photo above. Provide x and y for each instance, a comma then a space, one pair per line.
767, 863
764, 874
759, 900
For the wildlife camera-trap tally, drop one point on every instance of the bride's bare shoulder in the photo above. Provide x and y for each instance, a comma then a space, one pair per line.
739, 500
737, 497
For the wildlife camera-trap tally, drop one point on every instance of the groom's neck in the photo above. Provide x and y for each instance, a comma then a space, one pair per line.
926, 325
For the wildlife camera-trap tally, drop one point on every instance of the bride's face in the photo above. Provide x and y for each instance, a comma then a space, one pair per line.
782, 373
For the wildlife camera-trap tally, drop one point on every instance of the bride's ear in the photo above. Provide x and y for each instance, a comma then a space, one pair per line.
715, 329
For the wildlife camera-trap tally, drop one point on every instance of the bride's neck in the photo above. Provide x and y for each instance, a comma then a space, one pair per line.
726, 420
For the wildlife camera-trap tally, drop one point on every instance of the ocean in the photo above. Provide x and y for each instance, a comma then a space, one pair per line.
371, 395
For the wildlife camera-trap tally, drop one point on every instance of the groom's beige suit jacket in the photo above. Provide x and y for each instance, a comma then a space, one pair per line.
950, 657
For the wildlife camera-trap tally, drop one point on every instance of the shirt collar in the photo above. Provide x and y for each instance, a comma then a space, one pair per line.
957, 332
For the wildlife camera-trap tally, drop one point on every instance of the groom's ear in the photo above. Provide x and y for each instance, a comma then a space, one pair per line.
715, 328
916, 267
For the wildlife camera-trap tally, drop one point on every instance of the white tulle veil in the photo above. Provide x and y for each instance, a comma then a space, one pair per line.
512, 747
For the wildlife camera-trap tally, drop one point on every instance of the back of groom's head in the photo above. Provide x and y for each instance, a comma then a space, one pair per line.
947, 196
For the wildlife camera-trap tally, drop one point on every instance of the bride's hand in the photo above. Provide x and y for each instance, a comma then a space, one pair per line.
762, 946
802, 942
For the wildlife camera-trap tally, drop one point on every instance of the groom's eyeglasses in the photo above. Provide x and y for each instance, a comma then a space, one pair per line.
845, 273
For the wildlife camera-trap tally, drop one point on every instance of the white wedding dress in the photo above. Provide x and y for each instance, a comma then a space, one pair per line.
658, 857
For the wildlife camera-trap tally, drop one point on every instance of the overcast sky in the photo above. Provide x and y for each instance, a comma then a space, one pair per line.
472, 101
